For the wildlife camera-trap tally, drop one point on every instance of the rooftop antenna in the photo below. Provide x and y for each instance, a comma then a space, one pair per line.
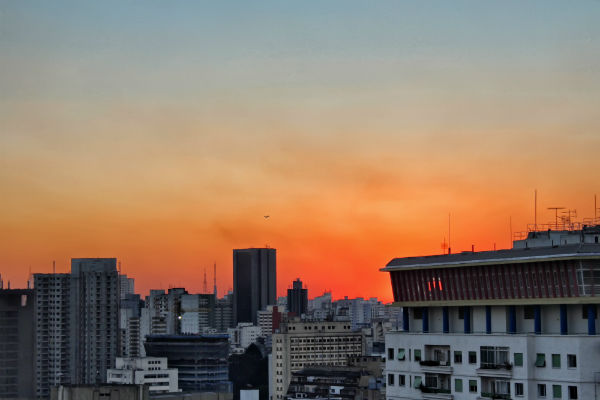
510, 227
535, 211
205, 285
449, 245
215, 279
54, 266
1, 283
556, 215
119, 267
29, 278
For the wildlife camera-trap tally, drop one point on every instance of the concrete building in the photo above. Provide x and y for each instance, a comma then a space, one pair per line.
301, 344
297, 298
96, 392
53, 331
150, 371
94, 318
518, 323
360, 381
200, 359
17, 343
197, 313
320, 308
242, 336
129, 325
224, 313
254, 282
126, 285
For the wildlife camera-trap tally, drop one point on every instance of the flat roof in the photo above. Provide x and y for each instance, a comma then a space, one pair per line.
468, 258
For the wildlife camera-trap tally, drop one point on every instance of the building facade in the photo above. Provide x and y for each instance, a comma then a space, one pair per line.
94, 318
197, 312
301, 344
518, 323
53, 331
150, 371
201, 360
17, 343
254, 282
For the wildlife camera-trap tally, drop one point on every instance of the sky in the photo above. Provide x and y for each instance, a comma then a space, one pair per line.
162, 133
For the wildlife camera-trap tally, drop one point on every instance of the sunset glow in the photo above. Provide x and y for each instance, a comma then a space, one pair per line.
164, 136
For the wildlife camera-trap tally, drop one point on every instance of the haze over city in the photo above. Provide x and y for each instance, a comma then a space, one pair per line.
163, 134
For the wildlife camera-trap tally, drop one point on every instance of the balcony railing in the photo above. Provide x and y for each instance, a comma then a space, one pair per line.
496, 395
506, 365
427, 389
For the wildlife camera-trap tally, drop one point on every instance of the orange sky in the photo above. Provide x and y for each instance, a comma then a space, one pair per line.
163, 136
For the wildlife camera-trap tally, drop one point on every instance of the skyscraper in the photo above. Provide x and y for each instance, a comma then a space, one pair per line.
16, 343
52, 326
254, 282
297, 298
94, 318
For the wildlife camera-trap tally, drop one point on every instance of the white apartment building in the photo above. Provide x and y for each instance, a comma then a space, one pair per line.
151, 371
507, 324
299, 344
243, 336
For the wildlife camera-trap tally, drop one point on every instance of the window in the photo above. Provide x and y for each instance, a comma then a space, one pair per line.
390, 354
390, 379
540, 360
417, 384
519, 389
556, 392
584, 310
401, 355
458, 385
417, 354
573, 393
518, 359
541, 390
458, 357
571, 361
418, 313
401, 380
472, 357
555, 360
461, 313
473, 386
528, 312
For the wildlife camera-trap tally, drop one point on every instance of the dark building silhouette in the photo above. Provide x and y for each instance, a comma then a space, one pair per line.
297, 298
200, 359
17, 343
254, 282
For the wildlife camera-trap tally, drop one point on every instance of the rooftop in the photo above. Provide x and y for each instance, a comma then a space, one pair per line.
581, 250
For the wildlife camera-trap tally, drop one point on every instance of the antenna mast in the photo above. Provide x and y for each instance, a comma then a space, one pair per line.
535, 211
215, 279
556, 215
449, 246
205, 285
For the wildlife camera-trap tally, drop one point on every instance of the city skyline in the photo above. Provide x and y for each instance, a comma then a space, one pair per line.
163, 135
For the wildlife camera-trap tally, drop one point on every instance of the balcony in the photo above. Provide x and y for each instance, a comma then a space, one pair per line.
434, 393
501, 370
487, 396
435, 366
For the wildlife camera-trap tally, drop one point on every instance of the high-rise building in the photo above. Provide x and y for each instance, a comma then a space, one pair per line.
254, 282
300, 344
17, 343
517, 323
76, 323
129, 325
197, 312
224, 313
297, 298
53, 331
94, 318
127, 286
